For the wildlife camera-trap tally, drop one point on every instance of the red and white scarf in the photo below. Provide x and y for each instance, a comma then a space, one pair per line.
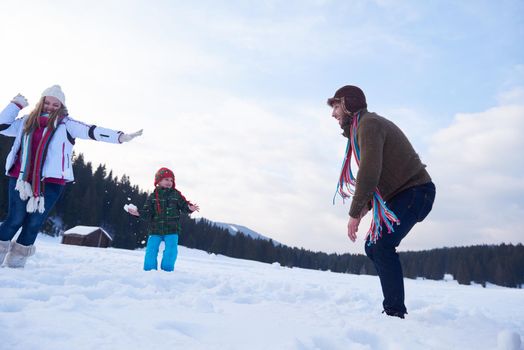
29, 182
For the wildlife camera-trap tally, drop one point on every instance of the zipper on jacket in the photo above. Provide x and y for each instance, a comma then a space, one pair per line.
63, 160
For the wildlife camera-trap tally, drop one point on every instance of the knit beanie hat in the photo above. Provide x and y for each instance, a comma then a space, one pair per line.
163, 173
351, 97
55, 91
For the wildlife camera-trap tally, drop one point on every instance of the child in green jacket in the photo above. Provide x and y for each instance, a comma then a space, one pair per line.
162, 211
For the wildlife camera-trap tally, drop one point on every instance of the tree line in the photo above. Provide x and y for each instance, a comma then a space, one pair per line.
97, 198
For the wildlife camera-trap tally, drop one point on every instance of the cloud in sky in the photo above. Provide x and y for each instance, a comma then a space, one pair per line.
477, 165
232, 96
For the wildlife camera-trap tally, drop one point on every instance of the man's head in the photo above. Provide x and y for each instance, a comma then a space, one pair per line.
351, 97
348, 100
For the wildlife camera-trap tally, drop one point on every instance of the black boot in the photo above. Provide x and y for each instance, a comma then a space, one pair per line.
395, 313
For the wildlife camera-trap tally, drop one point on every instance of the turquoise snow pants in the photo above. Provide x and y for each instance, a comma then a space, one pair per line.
168, 256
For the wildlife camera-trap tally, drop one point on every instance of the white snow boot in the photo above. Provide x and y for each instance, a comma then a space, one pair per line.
18, 254
4, 248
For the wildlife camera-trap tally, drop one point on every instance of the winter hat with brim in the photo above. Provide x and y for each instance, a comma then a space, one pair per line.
163, 173
351, 97
56, 92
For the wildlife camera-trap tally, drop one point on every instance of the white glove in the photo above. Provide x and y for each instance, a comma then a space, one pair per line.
130, 206
131, 209
128, 137
20, 100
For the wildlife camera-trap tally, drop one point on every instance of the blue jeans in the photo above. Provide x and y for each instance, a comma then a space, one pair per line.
17, 215
410, 206
168, 257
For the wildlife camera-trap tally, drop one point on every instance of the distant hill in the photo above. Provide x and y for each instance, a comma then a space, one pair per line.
234, 229
97, 198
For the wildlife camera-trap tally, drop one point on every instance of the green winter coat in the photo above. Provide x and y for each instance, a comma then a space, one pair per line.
172, 206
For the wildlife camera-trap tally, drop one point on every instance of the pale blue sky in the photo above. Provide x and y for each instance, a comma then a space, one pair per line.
231, 95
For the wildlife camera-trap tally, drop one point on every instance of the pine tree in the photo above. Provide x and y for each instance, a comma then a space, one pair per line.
97, 198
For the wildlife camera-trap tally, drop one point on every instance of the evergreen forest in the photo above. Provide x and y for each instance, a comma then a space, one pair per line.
97, 197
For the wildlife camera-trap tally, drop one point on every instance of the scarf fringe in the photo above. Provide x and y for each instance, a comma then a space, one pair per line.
382, 216
35, 204
24, 188
41, 205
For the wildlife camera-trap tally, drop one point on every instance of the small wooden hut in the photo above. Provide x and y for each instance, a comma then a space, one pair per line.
89, 236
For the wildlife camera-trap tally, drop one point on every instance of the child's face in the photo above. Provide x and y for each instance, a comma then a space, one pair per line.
166, 182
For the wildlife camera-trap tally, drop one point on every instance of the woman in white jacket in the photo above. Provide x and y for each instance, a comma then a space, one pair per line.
39, 165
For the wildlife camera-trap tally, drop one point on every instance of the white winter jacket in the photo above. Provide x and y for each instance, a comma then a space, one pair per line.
58, 162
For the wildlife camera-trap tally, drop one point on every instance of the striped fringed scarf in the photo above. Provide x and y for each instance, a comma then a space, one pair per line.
381, 214
29, 183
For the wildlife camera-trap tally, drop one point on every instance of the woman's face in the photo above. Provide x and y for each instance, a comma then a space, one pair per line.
51, 104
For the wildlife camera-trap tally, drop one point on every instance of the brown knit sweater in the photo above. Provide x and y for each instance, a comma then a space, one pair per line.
387, 161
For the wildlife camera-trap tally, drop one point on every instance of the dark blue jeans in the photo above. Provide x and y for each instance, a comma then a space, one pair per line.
17, 216
410, 206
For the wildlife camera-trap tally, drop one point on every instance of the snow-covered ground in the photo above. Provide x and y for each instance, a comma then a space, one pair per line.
71, 297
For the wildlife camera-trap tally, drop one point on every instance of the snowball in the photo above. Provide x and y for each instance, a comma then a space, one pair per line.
129, 206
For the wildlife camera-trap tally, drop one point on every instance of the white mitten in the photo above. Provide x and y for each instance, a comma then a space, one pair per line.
128, 137
131, 209
20, 100
130, 206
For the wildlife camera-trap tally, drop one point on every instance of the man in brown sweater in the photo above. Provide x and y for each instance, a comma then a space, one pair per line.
391, 181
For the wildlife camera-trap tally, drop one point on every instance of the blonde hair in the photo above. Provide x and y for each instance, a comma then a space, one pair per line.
31, 123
